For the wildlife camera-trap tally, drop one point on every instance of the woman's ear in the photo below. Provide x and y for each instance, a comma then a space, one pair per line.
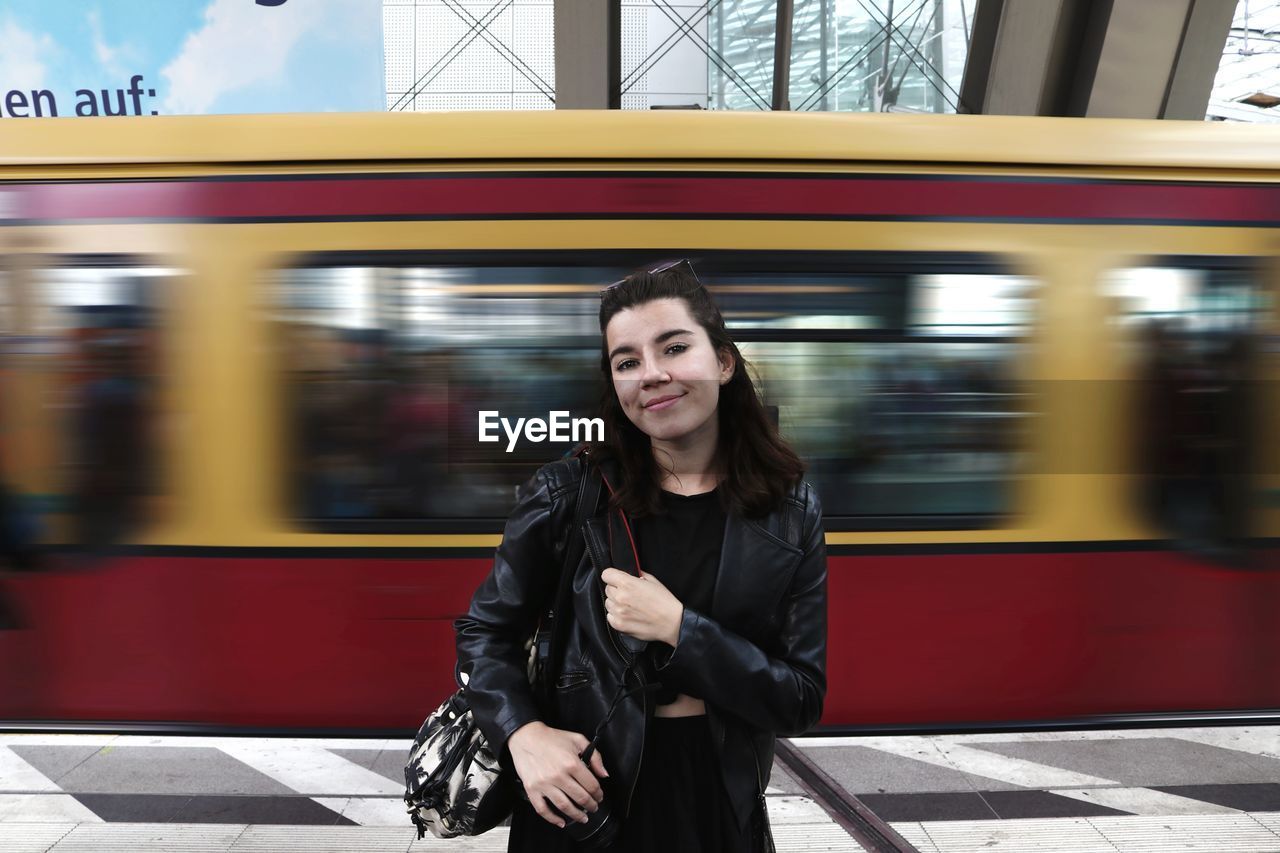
727, 365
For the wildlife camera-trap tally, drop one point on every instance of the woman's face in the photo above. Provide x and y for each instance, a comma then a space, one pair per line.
665, 372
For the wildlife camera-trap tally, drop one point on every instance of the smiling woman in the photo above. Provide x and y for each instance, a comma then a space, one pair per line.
681, 411
703, 585
667, 375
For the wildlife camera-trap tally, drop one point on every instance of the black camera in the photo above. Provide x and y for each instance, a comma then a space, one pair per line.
600, 830
598, 833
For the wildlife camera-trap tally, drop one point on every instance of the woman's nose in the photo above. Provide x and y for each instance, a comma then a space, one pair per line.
653, 374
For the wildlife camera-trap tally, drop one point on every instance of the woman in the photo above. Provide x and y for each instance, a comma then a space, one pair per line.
717, 638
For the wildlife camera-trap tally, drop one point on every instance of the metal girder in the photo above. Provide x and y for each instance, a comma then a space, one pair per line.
782, 56
1199, 54
1103, 58
588, 48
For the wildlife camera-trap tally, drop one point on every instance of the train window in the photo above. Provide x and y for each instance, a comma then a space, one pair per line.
390, 369
1192, 332
85, 356
898, 429
1199, 302
926, 304
896, 387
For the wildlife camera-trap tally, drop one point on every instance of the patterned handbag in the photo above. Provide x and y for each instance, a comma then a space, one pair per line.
454, 784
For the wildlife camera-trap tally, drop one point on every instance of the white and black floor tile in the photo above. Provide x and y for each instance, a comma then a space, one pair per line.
1245, 796
980, 805
952, 793
151, 791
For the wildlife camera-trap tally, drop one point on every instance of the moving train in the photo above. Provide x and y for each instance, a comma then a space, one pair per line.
1030, 364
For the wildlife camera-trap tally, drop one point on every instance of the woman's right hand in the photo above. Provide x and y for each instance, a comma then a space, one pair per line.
548, 765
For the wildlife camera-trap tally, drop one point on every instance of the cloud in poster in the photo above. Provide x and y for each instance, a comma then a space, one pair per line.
192, 56
240, 45
114, 59
26, 54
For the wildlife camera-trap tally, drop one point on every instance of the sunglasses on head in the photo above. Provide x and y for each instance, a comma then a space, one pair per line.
661, 267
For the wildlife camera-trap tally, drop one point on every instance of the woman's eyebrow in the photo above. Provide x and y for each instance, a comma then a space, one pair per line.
657, 340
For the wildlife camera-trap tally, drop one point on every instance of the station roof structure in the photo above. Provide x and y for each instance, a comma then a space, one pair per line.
1083, 58
1247, 87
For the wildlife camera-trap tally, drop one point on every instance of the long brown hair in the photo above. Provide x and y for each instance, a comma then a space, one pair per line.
758, 467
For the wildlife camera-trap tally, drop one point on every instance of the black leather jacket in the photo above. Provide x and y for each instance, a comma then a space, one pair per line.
758, 658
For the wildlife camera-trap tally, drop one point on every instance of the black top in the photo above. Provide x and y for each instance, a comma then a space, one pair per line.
681, 548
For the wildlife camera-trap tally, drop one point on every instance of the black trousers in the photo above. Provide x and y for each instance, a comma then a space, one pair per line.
680, 805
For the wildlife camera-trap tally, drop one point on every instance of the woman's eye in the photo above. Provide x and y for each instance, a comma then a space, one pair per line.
628, 363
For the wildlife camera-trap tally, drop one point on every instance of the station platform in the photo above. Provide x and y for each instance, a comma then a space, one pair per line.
1152, 790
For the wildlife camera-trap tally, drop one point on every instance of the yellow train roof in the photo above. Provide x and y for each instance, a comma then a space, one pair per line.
575, 135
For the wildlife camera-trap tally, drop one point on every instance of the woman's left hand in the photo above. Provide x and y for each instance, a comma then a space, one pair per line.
641, 607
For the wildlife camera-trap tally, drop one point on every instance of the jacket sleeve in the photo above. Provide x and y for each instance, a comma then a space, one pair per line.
504, 612
783, 693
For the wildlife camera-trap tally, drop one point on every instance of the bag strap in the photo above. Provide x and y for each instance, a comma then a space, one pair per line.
624, 555
620, 529
575, 547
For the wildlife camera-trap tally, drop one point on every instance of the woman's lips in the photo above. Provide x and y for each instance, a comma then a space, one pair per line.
663, 403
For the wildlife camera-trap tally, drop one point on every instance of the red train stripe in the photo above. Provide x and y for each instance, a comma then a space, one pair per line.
368, 642
507, 196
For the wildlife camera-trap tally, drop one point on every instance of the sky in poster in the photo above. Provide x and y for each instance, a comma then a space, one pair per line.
199, 56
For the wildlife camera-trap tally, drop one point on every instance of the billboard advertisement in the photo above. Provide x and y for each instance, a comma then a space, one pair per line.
189, 57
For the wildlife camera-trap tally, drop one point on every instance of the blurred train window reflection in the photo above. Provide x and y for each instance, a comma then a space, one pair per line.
390, 367
85, 351
1192, 329
1205, 303
896, 387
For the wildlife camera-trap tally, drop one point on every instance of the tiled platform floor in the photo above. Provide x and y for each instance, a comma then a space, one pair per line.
1157, 790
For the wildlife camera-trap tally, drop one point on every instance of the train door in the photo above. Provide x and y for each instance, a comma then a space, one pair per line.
19, 527
1196, 330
